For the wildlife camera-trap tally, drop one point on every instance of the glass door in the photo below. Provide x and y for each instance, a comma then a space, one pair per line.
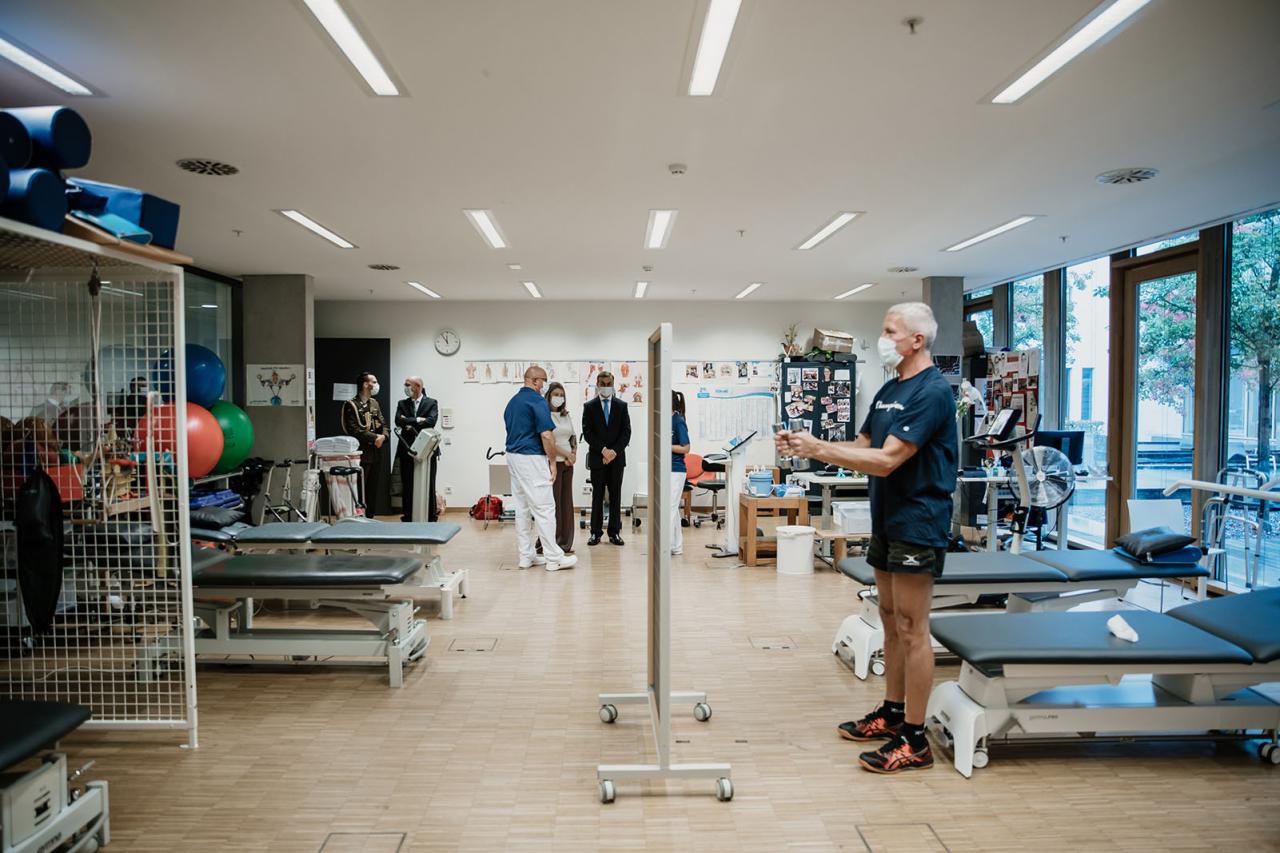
1164, 404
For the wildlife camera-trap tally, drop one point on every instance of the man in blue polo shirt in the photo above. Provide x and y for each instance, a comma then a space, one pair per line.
908, 448
531, 453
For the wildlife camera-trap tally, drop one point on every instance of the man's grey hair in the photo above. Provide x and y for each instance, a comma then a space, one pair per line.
917, 317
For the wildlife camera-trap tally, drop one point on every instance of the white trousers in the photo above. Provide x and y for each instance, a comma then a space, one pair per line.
677, 497
535, 505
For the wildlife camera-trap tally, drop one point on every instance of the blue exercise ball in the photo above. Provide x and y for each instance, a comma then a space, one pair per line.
206, 375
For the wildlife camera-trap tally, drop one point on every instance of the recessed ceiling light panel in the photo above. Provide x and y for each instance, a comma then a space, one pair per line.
338, 25
749, 289
316, 228
485, 223
32, 64
994, 232
857, 289
839, 221
713, 43
659, 228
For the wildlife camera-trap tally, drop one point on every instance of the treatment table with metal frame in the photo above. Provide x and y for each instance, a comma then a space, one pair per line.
1034, 677
1035, 581
39, 808
418, 539
373, 587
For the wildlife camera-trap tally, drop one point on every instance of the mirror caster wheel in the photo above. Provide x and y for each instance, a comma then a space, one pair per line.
702, 712
608, 714
724, 789
877, 666
980, 759
607, 791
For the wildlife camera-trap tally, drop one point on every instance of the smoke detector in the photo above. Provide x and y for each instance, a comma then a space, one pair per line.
677, 168
205, 166
383, 267
900, 270
1133, 175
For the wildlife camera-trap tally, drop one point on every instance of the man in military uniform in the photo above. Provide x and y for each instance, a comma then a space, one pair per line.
362, 418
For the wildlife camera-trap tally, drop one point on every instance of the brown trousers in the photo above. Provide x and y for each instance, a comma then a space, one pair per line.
563, 489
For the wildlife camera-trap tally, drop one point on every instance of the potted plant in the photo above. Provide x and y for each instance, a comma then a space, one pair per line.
790, 348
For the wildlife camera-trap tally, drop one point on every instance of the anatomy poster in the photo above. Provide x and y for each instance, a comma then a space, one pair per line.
275, 384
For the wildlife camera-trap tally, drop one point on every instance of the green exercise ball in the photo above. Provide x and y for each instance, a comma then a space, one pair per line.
237, 435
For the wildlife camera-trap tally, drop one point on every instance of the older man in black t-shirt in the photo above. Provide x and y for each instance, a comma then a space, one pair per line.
909, 449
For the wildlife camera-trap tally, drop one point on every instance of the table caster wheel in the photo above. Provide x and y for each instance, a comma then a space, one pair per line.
607, 791
635, 522
980, 759
1269, 753
702, 712
877, 667
724, 789
582, 525
608, 713
697, 524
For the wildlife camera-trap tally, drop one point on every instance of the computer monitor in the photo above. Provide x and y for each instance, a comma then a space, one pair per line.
1070, 442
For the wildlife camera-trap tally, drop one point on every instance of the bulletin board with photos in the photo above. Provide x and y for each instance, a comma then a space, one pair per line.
821, 394
1013, 382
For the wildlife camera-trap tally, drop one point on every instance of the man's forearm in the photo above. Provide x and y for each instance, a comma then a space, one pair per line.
549, 445
868, 460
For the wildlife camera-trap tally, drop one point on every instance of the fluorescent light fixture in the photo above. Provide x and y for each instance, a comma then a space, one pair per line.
423, 288
857, 289
1097, 24
641, 287
841, 220
488, 227
533, 289
514, 267
334, 19
22, 294
994, 232
41, 69
660, 222
316, 228
717, 28
117, 291
749, 289
208, 306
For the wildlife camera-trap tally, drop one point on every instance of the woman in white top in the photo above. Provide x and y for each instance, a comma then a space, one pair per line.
566, 439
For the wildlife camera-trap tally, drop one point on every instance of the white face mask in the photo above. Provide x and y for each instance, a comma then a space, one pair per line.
557, 401
373, 392
889, 355
605, 393
408, 390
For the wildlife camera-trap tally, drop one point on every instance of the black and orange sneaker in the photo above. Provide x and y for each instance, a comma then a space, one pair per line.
897, 755
874, 726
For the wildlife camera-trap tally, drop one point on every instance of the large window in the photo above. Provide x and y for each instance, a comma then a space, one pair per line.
209, 320
1087, 349
978, 308
1253, 531
1028, 313
1167, 242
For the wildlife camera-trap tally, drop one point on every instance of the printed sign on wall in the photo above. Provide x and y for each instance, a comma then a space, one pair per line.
274, 384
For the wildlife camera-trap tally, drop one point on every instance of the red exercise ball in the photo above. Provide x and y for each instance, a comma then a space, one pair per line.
204, 436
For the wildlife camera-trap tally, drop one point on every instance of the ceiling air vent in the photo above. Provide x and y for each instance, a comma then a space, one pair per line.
383, 267
901, 270
203, 166
1127, 176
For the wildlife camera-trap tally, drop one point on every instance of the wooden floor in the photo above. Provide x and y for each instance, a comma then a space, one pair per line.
496, 750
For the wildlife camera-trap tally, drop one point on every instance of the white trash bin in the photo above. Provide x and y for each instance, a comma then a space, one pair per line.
795, 549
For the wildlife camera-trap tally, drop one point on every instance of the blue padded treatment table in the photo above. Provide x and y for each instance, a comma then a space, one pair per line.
356, 533
1037, 581
311, 570
296, 532
29, 727
1030, 675
1083, 566
378, 588
991, 640
975, 567
1251, 621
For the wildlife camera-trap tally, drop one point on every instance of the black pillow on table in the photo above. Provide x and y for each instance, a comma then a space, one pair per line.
214, 517
1153, 542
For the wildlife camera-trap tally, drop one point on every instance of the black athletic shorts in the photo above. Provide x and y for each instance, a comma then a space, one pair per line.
890, 555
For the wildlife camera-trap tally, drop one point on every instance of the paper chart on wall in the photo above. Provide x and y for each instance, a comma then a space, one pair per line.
470, 372
723, 413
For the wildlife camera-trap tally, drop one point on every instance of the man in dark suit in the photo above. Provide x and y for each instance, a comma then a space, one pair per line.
606, 428
413, 414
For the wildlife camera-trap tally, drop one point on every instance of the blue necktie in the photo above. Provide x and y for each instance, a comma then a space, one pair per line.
604, 404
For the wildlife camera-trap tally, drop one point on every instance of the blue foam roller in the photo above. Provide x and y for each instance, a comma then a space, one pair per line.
37, 197
60, 139
15, 142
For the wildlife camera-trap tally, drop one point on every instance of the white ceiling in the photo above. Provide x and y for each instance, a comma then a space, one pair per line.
562, 115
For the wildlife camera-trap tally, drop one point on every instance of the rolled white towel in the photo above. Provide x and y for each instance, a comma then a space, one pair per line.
1121, 629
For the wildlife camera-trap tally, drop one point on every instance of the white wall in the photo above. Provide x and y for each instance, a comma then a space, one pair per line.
571, 331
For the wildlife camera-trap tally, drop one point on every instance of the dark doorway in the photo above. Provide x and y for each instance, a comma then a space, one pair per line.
340, 361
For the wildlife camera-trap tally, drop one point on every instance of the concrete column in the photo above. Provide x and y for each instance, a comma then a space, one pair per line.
279, 328
1000, 316
1053, 354
945, 295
